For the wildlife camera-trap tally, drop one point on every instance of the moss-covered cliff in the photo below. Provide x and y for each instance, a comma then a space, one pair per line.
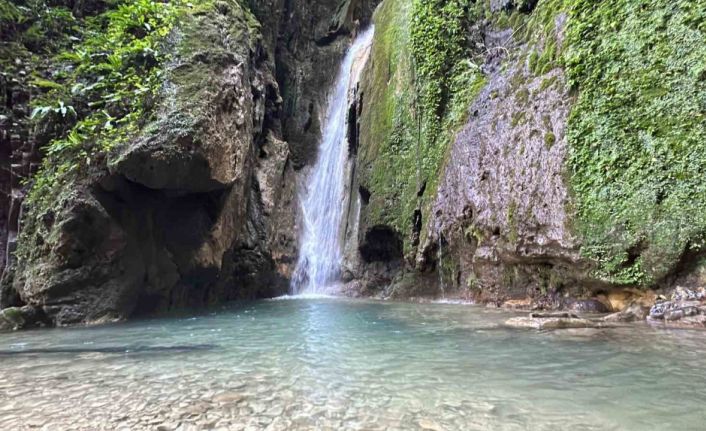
421, 78
541, 149
637, 134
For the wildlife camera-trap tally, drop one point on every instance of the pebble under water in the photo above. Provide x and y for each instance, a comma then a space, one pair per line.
321, 363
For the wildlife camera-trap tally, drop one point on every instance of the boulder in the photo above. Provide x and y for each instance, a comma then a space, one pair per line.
195, 208
545, 321
686, 308
13, 318
674, 310
587, 306
632, 313
683, 294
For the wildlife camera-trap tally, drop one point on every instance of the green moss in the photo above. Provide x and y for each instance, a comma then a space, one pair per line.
508, 276
522, 97
518, 118
637, 133
472, 282
512, 222
473, 232
419, 84
549, 140
548, 60
547, 83
448, 269
532, 61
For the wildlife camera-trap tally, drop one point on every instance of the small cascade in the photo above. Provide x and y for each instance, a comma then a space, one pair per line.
440, 269
323, 200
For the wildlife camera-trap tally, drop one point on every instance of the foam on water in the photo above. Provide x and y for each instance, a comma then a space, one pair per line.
302, 296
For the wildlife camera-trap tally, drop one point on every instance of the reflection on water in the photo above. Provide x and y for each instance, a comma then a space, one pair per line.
323, 363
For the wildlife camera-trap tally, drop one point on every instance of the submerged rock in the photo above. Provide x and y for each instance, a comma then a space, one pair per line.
514, 304
552, 321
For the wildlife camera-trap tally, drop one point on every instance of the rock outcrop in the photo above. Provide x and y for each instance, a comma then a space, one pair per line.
503, 210
685, 308
308, 39
199, 207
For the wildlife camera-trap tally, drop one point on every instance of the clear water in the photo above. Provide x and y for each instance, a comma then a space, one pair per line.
324, 199
320, 363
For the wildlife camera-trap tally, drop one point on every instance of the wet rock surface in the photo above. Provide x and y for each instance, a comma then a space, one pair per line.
498, 227
500, 204
635, 312
308, 40
687, 307
13, 318
550, 321
502, 224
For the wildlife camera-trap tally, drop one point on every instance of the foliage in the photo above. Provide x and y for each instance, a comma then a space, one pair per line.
106, 89
10, 13
447, 73
127, 69
439, 32
37, 25
637, 133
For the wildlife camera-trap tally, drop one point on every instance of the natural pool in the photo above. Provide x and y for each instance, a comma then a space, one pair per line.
322, 363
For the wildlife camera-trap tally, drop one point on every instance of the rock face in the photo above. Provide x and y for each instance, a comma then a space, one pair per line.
19, 156
496, 226
500, 220
308, 39
501, 203
502, 192
200, 206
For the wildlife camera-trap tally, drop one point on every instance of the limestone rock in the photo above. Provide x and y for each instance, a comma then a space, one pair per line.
587, 306
197, 208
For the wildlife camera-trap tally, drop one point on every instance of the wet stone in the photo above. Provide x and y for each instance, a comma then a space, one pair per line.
546, 321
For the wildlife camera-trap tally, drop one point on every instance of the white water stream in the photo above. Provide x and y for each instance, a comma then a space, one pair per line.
323, 200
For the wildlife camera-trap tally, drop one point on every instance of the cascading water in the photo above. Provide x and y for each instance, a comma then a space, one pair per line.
322, 203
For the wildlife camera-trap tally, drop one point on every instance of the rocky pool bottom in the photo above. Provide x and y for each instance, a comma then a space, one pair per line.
320, 363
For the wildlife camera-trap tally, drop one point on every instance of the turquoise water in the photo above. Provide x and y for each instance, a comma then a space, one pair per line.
345, 364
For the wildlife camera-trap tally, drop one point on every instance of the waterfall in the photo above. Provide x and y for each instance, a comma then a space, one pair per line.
323, 199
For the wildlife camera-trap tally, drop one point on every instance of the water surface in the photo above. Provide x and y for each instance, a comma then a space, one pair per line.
344, 364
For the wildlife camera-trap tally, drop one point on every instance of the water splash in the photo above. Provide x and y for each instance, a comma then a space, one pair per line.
322, 203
